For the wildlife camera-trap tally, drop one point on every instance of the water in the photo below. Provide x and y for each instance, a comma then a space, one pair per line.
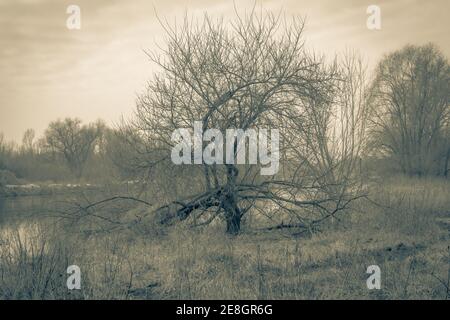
16, 210
26, 218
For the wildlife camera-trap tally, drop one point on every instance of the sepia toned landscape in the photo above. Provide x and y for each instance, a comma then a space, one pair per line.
251, 151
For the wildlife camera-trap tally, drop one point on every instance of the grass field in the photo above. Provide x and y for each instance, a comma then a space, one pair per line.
404, 229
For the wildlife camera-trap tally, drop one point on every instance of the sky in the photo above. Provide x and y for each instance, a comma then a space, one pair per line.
48, 71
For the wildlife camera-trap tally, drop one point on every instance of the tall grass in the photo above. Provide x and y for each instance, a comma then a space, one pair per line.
33, 265
398, 229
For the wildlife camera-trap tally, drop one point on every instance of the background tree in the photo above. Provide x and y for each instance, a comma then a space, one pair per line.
73, 141
410, 109
7, 149
28, 142
3, 151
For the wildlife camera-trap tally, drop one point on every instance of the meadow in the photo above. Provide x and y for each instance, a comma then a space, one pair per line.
403, 227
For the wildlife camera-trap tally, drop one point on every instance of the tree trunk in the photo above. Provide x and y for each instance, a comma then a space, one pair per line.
230, 205
233, 219
232, 213
447, 158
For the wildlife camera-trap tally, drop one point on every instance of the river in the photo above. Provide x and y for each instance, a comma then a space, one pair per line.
16, 210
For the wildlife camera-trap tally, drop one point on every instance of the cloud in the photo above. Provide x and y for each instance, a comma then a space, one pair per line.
49, 71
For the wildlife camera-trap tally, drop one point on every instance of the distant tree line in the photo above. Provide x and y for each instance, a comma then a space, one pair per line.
68, 151
408, 128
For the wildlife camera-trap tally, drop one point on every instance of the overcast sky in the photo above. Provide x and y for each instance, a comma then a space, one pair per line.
48, 71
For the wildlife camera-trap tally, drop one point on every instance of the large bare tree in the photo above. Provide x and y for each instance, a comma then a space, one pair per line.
255, 72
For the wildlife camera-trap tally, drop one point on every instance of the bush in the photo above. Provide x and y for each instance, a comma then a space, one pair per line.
8, 177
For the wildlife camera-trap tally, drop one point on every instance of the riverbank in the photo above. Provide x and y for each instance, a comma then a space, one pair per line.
45, 190
48, 189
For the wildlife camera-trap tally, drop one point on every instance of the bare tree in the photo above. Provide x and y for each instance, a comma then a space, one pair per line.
6, 151
255, 73
28, 141
73, 141
410, 109
3, 151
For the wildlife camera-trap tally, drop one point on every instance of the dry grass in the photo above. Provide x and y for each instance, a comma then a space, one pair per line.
404, 230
